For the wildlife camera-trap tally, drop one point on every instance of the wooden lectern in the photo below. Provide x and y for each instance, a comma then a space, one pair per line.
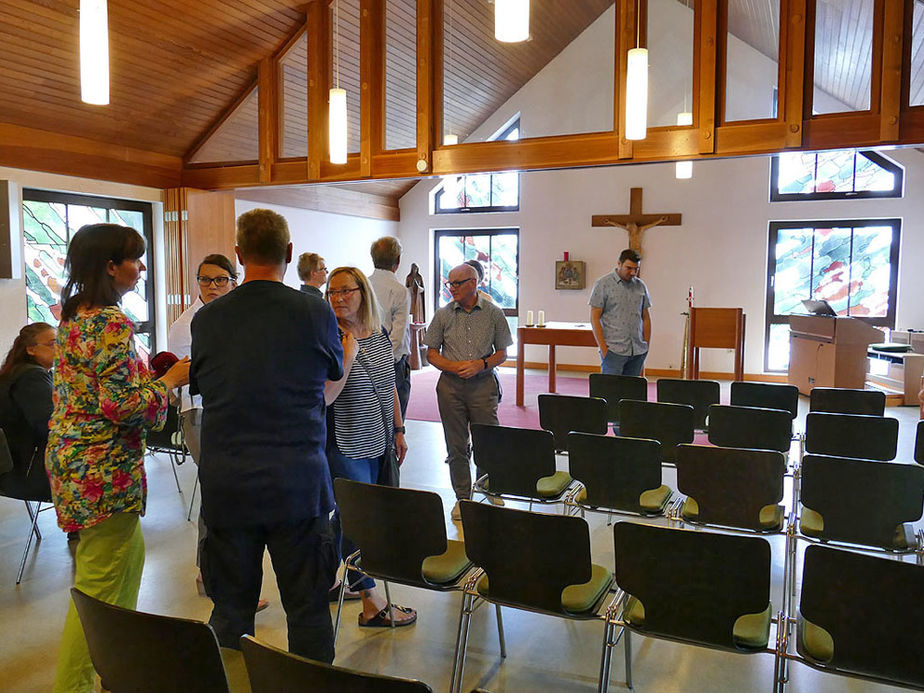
827, 351
716, 328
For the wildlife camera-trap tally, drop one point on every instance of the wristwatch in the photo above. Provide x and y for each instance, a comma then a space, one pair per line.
400, 429
485, 362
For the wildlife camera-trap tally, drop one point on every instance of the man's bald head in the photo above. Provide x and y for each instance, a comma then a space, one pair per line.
464, 272
463, 285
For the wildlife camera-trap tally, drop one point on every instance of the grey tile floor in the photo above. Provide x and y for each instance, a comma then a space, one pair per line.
544, 653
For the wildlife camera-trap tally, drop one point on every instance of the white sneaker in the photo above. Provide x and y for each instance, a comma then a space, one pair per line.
495, 500
456, 513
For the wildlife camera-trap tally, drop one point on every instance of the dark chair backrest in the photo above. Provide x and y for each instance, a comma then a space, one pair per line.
514, 458
842, 400
766, 396
919, 443
694, 585
871, 609
669, 424
562, 414
851, 435
731, 485
379, 518
529, 558
134, 651
613, 388
614, 471
6, 457
699, 394
163, 439
272, 670
862, 501
750, 427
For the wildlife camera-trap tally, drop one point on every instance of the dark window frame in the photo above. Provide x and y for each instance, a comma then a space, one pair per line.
502, 135
771, 318
148, 326
449, 233
875, 157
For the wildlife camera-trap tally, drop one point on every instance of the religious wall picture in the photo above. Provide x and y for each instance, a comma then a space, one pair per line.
570, 274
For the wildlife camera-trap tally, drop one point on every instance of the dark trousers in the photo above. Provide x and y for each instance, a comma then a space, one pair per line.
305, 558
403, 382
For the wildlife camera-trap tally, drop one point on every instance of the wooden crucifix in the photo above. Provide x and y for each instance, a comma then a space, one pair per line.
635, 222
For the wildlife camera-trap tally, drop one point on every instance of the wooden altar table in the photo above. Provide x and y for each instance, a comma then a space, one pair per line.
553, 334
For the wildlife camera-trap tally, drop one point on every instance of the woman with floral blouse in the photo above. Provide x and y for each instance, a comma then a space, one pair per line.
104, 400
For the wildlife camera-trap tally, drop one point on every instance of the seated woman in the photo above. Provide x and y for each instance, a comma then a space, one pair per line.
25, 408
364, 414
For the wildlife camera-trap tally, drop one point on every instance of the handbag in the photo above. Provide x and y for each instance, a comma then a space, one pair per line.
389, 472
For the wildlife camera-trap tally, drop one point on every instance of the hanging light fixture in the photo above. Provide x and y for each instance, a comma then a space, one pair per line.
337, 104
94, 52
511, 20
637, 87
684, 169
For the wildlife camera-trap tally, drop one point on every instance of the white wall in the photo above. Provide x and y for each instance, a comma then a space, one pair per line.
339, 239
13, 291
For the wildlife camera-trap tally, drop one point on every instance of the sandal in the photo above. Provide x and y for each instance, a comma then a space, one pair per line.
334, 594
382, 620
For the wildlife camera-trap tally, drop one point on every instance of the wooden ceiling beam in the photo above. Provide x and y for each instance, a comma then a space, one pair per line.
319, 66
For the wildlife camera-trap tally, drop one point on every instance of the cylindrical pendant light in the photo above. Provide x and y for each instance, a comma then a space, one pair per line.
684, 169
94, 52
337, 126
511, 20
637, 94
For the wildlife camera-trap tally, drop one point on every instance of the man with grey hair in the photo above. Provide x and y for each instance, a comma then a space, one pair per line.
395, 307
312, 270
466, 340
260, 358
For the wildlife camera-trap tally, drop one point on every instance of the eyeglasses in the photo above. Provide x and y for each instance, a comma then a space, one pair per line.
321, 269
341, 292
456, 285
217, 281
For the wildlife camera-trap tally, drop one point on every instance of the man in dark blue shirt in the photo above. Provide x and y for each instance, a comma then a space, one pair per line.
260, 358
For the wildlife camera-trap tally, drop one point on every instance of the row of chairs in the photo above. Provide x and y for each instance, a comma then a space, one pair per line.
846, 435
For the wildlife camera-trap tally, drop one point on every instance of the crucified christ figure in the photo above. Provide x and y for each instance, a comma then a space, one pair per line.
635, 222
635, 231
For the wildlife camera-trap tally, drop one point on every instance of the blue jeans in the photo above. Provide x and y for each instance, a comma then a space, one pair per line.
617, 364
366, 470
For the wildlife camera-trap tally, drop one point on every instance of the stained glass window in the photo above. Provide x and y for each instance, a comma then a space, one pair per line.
49, 221
839, 174
853, 265
482, 192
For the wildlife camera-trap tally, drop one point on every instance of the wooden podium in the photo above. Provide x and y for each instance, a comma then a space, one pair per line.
829, 351
716, 328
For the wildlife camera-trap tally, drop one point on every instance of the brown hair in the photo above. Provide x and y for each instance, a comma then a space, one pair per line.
262, 237
218, 260
386, 252
368, 306
88, 256
629, 254
19, 352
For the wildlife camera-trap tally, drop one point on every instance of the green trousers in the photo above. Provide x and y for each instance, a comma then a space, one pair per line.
110, 558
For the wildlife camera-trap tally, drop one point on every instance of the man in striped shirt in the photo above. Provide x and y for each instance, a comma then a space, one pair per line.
466, 340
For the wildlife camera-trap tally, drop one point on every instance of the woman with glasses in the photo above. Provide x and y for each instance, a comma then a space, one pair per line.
25, 407
104, 400
216, 276
363, 416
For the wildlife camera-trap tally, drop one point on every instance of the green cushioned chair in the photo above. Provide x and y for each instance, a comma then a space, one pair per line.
401, 537
732, 487
273, 670
679, 586
518, 463
531, 561
149, 653
618, 474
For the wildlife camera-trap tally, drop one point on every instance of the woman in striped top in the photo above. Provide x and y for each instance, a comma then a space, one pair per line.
363, 415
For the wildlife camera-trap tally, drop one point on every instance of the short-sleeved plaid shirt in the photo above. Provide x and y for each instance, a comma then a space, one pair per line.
623, 303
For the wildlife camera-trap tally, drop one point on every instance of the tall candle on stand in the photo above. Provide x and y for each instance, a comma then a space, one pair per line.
541, 318
529, 317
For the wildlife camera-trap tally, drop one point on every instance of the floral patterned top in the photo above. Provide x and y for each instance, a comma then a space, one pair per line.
104, 399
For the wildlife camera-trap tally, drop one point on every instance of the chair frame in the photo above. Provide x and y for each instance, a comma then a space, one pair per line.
570, 566
830, 400
855, 424
592, 406
600, 384
699, 398
176, 453
766, 418
638, 416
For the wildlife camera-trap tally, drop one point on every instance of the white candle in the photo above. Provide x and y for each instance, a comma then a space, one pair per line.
529, 317
541, 317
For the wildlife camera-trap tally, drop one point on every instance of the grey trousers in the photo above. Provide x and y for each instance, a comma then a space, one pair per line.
191, 422
463, 402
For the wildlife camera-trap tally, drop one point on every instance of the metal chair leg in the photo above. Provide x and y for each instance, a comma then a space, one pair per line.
606, 658
391, 615
192, 498
500, 632
458, 664
176, 478
32, 530
343, 584
627, 644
